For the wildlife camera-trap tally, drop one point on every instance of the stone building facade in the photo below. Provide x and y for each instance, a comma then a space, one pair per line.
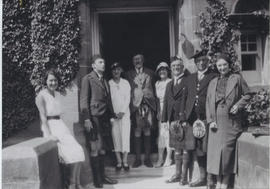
162, 28
118, 29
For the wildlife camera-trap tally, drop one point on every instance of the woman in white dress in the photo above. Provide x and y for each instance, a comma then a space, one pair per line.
163, 138
120, 95
69, 150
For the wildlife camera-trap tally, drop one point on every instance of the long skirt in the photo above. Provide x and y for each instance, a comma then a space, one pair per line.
222, 150
121, 134
69, 150
163, 136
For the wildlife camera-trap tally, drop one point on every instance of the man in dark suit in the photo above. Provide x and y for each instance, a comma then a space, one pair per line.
96, 109
197, 84
173, 101
143, 106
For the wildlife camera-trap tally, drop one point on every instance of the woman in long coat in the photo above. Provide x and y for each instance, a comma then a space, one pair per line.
226, 97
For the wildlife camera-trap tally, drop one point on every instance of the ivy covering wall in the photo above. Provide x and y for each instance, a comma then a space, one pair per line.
218, 34
37, 35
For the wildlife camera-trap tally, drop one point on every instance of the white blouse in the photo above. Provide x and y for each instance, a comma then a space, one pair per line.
120, 94
160, 90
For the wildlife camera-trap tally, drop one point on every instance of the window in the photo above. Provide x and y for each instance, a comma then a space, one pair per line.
249, 51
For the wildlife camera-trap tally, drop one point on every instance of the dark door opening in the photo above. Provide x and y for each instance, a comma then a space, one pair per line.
122, 35
125, 34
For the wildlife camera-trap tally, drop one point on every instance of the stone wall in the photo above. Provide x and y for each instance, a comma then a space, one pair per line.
31, 165
253, 161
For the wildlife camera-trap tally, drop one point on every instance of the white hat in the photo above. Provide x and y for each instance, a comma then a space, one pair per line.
162, 65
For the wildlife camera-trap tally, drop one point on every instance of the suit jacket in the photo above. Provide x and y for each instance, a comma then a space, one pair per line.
95, 98
196, 95
130, 75
237, 93
174, 101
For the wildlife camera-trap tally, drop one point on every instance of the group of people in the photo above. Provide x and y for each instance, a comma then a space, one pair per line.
198, 118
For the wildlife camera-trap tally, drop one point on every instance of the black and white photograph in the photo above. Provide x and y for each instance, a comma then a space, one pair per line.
135, 94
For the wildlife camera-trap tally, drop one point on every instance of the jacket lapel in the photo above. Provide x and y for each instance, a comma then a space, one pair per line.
177, 88
213, 88
96, 80
232, 81
205, 81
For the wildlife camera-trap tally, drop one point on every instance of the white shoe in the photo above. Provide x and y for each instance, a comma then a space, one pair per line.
167, 163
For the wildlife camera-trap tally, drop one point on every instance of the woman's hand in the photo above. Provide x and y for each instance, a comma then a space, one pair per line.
54, 138
234, 109
88, 125
213, 126
184, 124
120, 115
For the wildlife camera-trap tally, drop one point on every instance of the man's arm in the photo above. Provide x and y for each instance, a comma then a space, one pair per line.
85, 96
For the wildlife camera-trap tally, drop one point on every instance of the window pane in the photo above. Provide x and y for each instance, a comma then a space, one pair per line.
244, 47
243, 38
252, 47
248, 62
251, 38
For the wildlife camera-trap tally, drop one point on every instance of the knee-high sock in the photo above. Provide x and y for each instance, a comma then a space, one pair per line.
96, 170
202, 166
147, 146
186, 159
178, 163
102, 166
138, 147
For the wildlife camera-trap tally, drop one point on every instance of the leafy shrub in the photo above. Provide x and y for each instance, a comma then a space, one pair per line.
18, 94
218, 34
37, 35
55, 40
258, 109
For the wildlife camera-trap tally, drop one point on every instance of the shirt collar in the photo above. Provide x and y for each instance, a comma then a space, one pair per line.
99, 75
140, 70
202, 72
179, 76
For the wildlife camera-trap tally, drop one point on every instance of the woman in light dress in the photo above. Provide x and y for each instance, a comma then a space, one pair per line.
69, 150
163, 138
120, 95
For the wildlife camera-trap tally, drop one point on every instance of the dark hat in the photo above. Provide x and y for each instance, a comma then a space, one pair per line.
199, 54
116, 65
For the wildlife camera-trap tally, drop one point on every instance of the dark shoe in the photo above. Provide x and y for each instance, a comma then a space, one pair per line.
126, 167
197, 183
173, 179
99, 185
183, 182
107, 180
148, 163
118, 168
78, 186
137, 163
211, 186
